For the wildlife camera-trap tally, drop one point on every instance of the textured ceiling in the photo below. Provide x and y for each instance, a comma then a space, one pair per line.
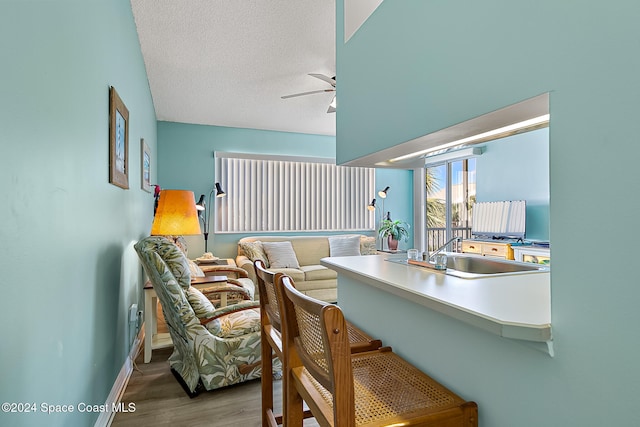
228, 62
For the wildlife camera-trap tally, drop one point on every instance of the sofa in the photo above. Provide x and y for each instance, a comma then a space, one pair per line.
303, 266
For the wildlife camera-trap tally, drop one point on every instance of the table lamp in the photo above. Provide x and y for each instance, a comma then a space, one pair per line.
176, 214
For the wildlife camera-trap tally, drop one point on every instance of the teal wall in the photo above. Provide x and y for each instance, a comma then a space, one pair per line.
517, 168
185, 161
445, 62
69, 271
399, 199
185, 151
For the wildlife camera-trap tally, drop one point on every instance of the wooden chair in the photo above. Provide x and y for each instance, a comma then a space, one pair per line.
374, 388
271, 340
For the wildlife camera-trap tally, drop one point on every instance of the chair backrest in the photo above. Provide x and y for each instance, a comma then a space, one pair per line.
168, 271
268, 298
318, 340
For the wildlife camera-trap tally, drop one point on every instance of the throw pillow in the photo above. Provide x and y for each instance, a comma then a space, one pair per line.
280, 254
200, 304
194, 269
368, 246
255, 251
344, 246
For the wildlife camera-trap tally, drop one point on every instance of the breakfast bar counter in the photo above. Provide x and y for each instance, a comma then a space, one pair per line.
516, 306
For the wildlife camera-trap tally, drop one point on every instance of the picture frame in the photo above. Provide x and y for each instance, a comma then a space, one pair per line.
118, 140
145, 166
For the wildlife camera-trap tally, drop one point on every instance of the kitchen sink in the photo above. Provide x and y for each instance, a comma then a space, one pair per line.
473, 266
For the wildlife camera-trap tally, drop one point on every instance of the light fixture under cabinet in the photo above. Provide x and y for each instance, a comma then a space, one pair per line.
447, 155
501, 132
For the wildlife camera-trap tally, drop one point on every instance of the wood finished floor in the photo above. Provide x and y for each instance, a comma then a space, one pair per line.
161, 401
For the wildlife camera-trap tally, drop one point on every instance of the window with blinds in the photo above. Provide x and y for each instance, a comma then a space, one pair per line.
276, 193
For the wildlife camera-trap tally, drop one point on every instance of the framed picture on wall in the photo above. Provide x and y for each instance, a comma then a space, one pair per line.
118, 140
145, 166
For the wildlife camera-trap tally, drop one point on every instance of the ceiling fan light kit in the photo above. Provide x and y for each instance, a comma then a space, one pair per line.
333, 105
330, 80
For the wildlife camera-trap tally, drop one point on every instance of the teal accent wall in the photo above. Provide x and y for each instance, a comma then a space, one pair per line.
69, 271
185, 161
517, 168
185, 151
445, 62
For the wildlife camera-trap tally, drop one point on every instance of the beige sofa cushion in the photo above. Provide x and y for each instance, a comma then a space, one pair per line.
310, 250
318, 272
306, 287
296, 274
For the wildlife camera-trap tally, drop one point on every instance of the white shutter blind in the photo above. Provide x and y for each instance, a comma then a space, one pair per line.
272, 193
503, 218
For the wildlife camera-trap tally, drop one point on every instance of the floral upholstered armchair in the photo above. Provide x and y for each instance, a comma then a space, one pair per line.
213, 346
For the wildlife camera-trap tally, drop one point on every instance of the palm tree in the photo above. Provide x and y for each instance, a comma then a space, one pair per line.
435, 207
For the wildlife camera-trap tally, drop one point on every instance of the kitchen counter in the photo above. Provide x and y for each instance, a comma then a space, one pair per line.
511, 306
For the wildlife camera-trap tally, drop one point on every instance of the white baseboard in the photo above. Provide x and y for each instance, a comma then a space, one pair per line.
106, 417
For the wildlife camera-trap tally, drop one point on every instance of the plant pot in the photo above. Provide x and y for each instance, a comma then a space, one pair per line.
392, 243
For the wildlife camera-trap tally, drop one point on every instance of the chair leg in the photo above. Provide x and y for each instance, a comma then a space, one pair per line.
266, 382
294, 414
199, 387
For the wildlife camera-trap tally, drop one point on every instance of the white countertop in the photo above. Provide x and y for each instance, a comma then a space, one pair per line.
512, 306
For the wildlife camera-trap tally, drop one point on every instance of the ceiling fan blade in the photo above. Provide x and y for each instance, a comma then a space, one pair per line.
330, 80
307, 93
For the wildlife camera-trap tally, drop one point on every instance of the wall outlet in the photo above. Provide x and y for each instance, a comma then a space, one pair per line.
133, 313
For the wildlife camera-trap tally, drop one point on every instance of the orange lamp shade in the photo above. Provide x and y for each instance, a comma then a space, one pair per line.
176, 214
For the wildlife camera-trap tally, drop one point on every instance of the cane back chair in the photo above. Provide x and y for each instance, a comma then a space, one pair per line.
374, 388
271, 340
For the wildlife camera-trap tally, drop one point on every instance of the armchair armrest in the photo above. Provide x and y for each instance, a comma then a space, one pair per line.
227, 288
234, 308
208, 279
224, 269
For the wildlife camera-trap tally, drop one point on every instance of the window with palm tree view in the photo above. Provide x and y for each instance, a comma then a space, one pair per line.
451, 193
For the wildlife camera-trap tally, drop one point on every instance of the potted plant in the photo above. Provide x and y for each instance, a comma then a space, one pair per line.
394, 231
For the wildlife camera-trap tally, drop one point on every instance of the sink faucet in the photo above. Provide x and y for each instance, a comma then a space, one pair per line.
441, 248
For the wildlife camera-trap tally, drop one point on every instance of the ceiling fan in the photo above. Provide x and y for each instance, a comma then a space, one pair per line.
330, 80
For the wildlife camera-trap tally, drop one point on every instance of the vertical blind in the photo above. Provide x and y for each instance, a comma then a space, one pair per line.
275, 193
